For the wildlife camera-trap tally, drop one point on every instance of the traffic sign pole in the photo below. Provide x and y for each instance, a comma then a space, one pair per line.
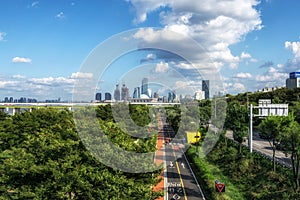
250, 129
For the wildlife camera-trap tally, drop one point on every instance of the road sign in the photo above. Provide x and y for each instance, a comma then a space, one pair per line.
220, 187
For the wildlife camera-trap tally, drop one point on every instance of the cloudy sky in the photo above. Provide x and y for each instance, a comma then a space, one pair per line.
44, 45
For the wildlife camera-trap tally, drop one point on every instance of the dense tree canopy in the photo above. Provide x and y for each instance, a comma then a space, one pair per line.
42, 157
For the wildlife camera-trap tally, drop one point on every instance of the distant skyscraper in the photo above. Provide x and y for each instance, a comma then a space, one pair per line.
124, 93
145, 86
149, 93
156, 95
165, 99
98, 96
22, 100
171, 96
107, 96
205, 88
136, 93
117, 93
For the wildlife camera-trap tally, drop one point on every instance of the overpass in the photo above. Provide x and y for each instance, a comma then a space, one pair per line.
12, 108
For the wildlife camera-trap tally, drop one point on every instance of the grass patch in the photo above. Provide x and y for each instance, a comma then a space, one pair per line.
208, 174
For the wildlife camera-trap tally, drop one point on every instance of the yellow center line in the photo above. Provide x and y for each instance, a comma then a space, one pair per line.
180, 176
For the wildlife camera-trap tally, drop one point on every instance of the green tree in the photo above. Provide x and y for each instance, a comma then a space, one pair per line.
237, 120
205, 111
3, 116
295, 108
290, 139
272, 127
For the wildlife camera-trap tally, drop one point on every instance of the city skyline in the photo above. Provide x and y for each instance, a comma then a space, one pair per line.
252, 44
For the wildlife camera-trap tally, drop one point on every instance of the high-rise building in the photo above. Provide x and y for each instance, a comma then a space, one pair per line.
136, 93
149, 93
293, 81
107, 96
171, 96
165, 99
205, 88
145, 86
22, 100
98, 96
124, 93
117, 93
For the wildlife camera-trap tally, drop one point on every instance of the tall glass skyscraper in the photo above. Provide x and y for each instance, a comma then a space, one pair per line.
136, 93
205, 88
145, 86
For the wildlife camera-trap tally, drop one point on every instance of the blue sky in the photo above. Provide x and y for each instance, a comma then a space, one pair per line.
44, 44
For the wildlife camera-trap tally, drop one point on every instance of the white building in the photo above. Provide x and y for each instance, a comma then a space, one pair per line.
199, 95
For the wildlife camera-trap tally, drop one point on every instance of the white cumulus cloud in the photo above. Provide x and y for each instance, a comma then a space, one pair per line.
245, 55
214, 24
150, 56
243, 75
81, 75
161, 67
18, 76
239, 87
294, 46
34, 4
21, 60
235, 87
60, 15
4, 84
272, 75
51, 81
293, 63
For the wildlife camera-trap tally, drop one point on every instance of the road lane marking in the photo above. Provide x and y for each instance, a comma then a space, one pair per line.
181, 181
182, 164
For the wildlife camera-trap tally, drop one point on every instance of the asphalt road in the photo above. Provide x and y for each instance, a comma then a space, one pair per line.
263, 146
180, 182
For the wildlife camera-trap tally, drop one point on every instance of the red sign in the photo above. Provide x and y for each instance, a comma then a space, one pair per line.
220, 187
